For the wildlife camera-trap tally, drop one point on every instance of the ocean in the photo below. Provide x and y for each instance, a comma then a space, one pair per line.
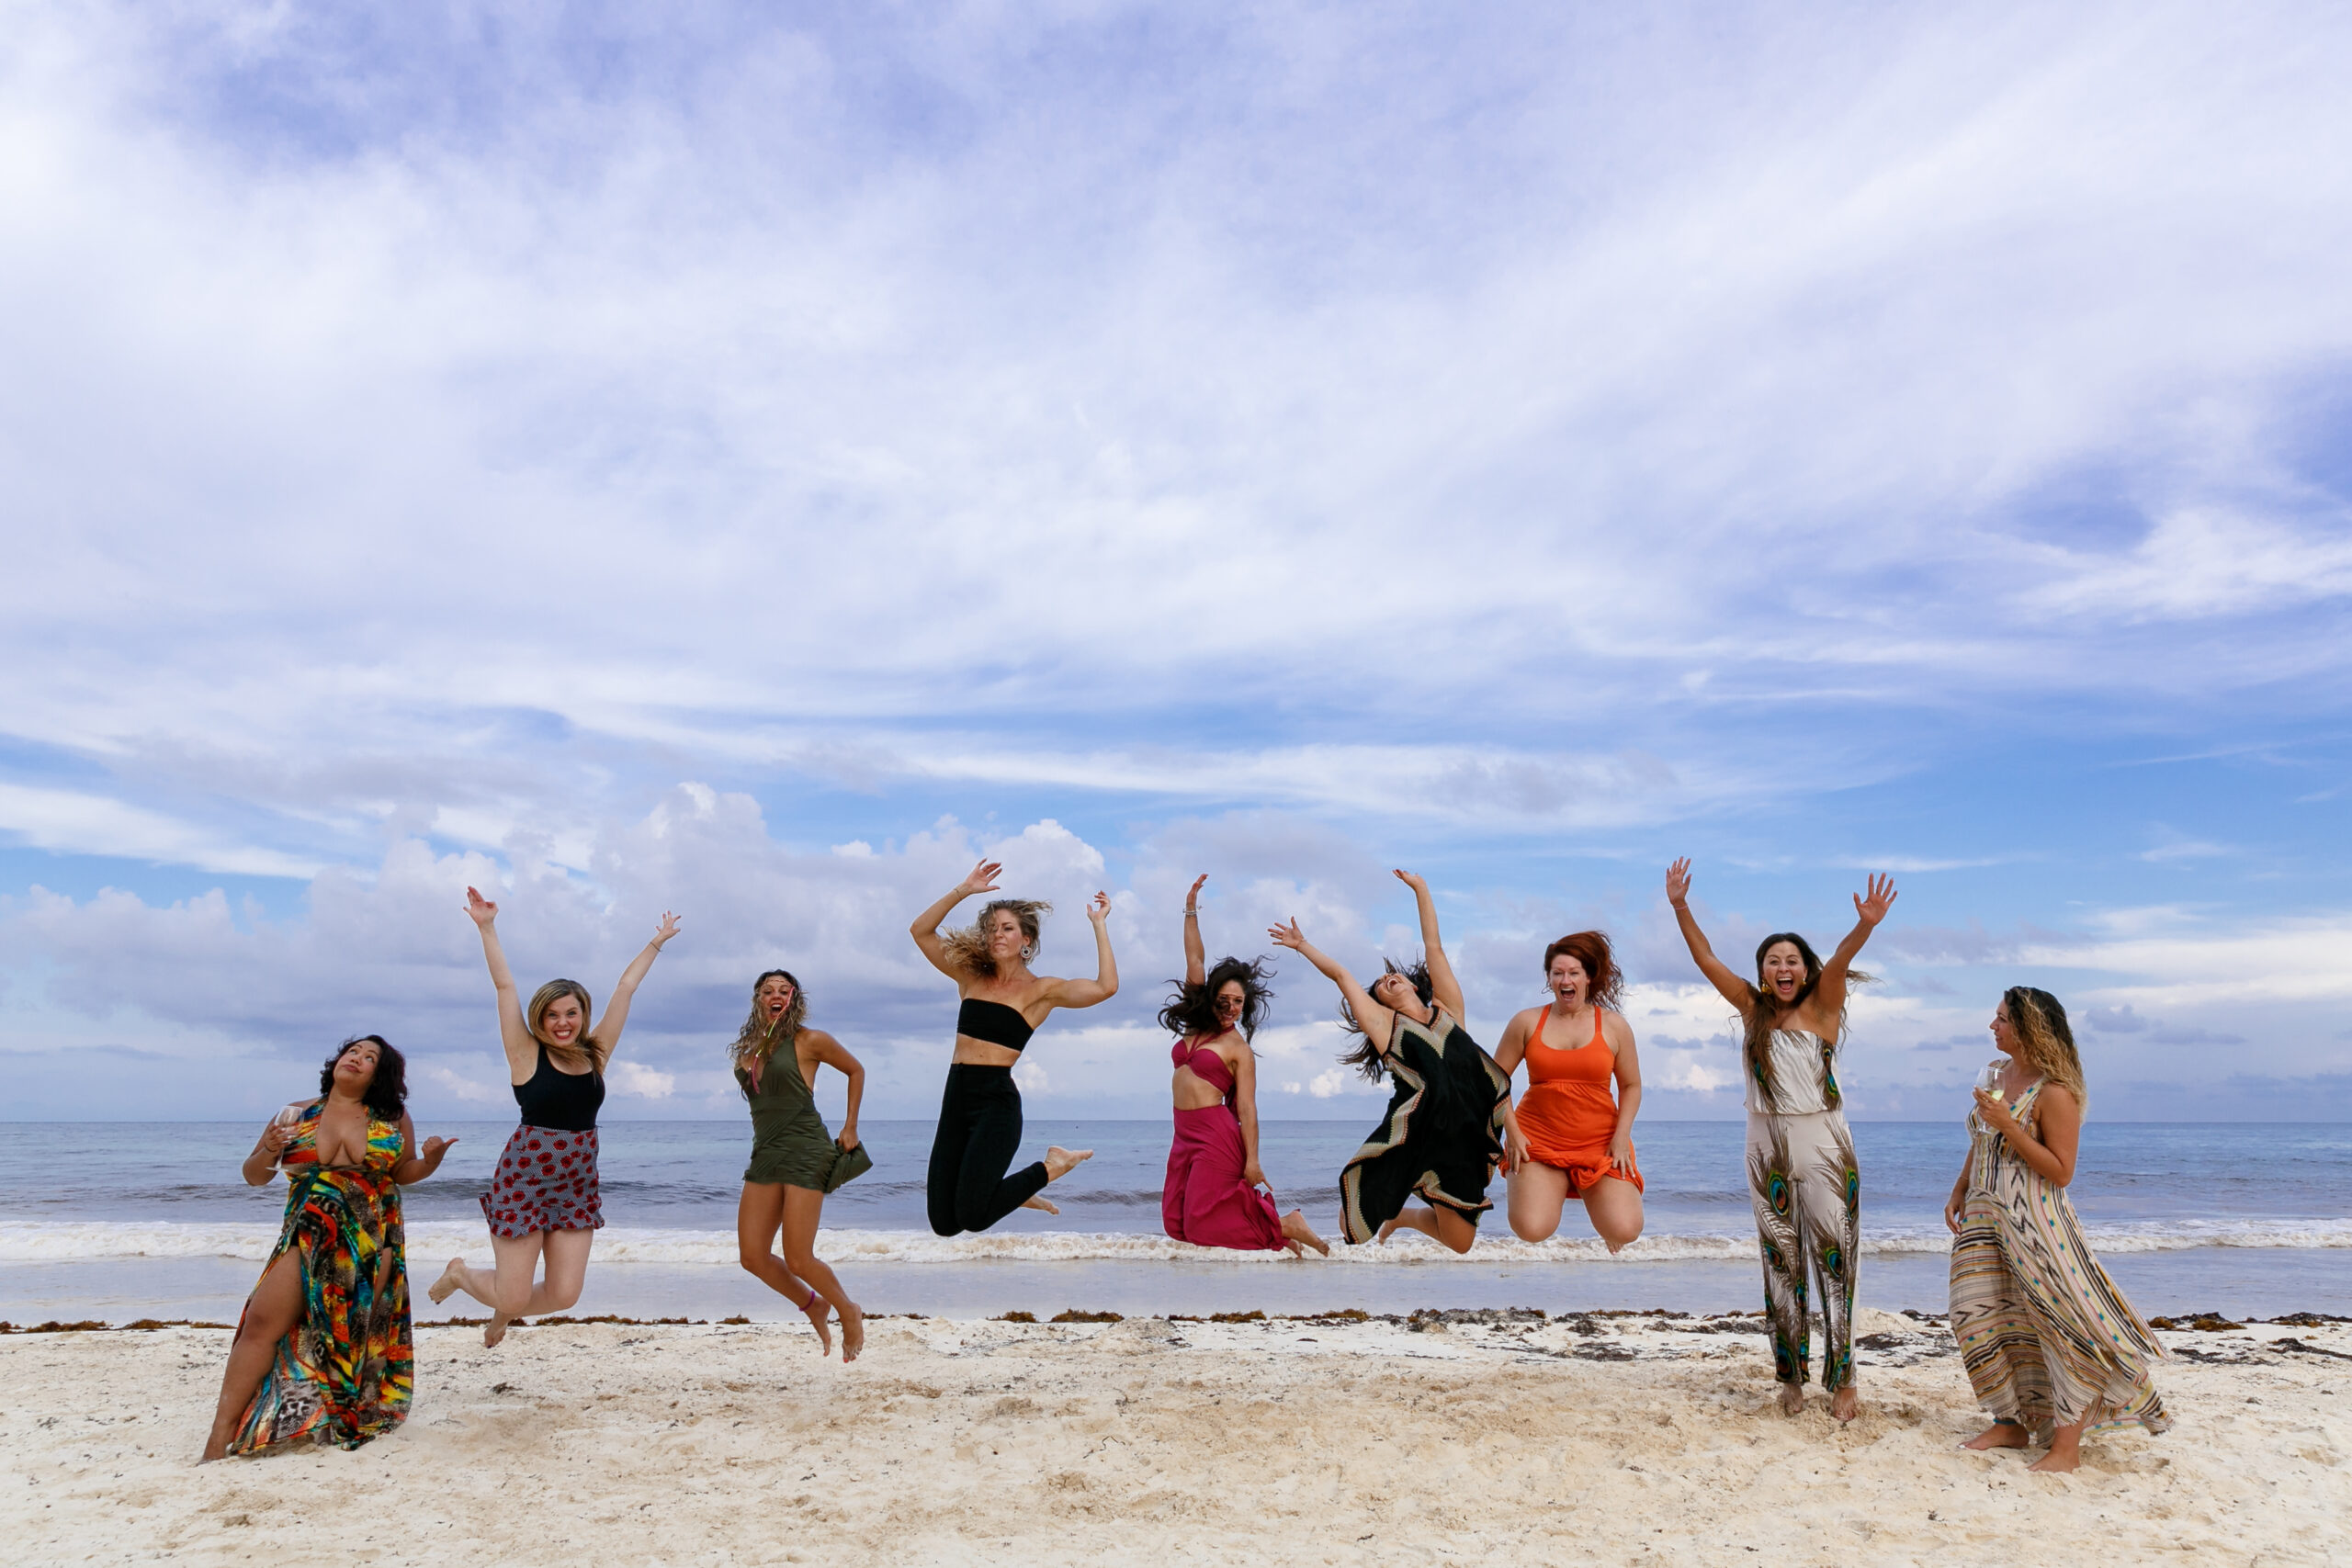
118, 1221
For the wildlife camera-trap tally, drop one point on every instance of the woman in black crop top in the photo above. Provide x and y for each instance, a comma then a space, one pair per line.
543, 1201
980, 1119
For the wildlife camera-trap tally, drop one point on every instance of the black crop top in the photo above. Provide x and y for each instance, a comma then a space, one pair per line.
994, 1022
565, 1101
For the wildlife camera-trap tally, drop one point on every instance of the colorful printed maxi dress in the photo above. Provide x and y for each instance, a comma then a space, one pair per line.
2046, 1335
1805, 1189
343, 1375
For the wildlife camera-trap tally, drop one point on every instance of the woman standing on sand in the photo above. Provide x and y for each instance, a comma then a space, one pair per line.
1579, 1143
1215, 1192
1448, 1110
543, 1199
795, 1162
980, 1117
2054, 1350
1803, 1179
322, 1351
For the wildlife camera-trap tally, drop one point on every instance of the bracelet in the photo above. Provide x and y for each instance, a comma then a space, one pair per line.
1191, 913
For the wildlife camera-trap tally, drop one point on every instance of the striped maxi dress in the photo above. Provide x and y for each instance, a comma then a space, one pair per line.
2047, 1337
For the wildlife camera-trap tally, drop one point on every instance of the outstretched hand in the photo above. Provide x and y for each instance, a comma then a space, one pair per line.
1192, 899
666, 929
1874, 908
482, 911
1288, 936
434, 1148
982, 880
1677, 883
1411, 880
1097, 908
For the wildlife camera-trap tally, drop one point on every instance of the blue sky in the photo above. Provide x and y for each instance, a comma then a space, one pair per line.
752, 461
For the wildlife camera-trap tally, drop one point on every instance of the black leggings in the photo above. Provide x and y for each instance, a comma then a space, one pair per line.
979, 1132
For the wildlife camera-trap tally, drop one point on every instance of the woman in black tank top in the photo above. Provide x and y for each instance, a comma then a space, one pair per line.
543, 1201
979, 1118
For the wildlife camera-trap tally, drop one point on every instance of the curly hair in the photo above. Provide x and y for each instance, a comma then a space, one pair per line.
386, 1094
2040, 1020
758, 1039
1191, 1009
534, 1020
967, 949
1605, 981
1365, 1057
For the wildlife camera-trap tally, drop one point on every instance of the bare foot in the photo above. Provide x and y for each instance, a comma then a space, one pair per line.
215, 1448
451, 1278
818, 1310
1847, 1403
1296, 1231
496, 1330
1792, 1398
2058, 1461
1060, 1162
2000, 1435
1042, 1203
852, 1333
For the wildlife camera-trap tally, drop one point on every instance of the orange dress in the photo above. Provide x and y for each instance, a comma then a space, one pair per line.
1569, 1113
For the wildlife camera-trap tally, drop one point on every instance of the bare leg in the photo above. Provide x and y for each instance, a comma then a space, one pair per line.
1615, 1206
480, 1283
1538, 1193
1443, 1226
271, 1314
1060, 1162
510, 1290
516, 1295
758, 1217
2000, 1435
1299, 1233
802, 1207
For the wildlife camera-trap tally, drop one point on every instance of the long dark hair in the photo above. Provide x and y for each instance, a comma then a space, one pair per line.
1191, 1009
386, 1094
1765, 1014
1365, 1057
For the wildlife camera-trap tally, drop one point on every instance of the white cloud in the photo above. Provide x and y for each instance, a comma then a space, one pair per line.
637, 1080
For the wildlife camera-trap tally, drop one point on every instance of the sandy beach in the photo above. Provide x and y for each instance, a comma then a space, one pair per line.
1484, 1438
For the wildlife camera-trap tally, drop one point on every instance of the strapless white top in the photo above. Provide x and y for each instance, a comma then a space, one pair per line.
1804, 1077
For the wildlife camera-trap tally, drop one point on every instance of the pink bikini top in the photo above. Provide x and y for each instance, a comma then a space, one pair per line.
1206, 1064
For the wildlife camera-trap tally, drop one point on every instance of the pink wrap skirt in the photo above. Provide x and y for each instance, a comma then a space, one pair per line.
1205, 1202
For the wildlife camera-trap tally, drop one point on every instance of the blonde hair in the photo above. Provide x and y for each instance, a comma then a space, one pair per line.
968, 948
546, 997
2047, 1041
758, 1039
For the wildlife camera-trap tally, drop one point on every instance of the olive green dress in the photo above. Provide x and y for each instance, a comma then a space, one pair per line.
789, 1142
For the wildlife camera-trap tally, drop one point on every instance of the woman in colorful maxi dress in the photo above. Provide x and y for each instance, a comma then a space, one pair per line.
1804, 1182
2054, 1350
1215, 1193
1449, 1109
322, 1351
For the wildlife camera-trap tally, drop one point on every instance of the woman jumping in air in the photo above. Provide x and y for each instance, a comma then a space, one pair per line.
979, 1118
1579, 1143
795, 1162
543, 1201
1802, 1181
1449, 1110
1215, 1193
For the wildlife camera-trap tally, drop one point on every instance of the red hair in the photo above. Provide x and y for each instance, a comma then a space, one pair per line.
1591, 950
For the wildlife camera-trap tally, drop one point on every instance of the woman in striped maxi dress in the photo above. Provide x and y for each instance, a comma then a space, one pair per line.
2054, 1350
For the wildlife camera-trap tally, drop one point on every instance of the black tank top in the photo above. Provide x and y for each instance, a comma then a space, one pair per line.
994, 1022
565, 1101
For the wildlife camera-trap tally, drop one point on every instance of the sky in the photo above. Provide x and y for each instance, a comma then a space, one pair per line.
755, 460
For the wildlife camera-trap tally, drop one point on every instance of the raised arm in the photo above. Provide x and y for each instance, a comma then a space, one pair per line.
1377, 1022
1443, 987
834, 1054
608, 1033
1197, 957
511, 1031
414, 1164
1829, 995
1736, 991
926, 931
1105, 984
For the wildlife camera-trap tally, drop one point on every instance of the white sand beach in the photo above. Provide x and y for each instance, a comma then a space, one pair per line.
1582, 1439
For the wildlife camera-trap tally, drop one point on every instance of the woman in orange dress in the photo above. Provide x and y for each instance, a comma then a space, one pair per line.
1577, 1142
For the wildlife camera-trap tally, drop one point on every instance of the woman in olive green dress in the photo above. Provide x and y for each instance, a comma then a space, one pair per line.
795, 1162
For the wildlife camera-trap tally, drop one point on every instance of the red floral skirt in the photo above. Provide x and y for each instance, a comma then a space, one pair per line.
546, 1181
